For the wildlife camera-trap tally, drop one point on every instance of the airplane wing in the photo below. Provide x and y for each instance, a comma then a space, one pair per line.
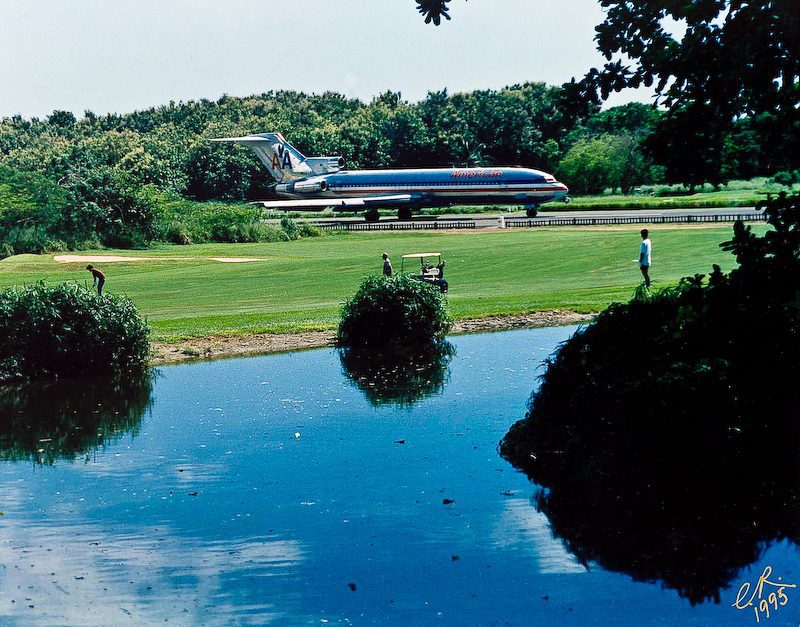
311, 204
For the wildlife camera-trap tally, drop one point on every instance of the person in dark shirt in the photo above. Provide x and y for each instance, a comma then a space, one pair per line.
387, 265
98, 278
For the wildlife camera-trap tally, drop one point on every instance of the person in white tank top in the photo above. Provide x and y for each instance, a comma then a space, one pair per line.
644, 256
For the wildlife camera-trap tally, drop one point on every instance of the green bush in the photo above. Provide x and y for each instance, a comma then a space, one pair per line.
31, 212
307, 229
393, 311
68, 330
55, 246
177, 234
182, 221
298, 230
290, 227
786, 178
222, 223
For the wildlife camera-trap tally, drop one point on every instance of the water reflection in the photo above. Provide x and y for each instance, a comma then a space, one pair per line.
690, 507
44, 422
219, 513
400, 378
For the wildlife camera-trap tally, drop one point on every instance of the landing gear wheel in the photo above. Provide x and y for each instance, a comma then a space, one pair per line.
372, 215
531, 212
404, 213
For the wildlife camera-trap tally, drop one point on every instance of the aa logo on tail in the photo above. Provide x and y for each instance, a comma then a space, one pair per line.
281, 159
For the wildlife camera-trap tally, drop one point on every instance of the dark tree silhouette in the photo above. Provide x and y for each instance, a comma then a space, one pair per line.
742, 55
711, 62
433, 10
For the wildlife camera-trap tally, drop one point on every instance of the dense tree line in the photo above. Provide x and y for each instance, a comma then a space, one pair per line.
119, 180
166, 146
107, 176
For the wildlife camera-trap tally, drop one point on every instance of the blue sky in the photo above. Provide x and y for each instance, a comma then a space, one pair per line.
122, 55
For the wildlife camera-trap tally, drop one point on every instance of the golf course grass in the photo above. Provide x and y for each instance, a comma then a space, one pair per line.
300, 285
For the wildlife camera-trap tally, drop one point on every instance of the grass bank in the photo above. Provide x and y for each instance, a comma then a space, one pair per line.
300, 285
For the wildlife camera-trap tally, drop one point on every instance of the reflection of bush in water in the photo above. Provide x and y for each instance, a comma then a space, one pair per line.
665, 435
65, 419
398, 377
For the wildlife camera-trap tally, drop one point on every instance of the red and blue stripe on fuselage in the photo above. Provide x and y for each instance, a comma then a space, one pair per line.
434, 187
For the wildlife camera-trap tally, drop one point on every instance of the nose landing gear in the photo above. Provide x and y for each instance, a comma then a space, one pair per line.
531, 210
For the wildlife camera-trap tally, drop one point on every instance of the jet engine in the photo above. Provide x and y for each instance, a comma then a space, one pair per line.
310, 186
324, 165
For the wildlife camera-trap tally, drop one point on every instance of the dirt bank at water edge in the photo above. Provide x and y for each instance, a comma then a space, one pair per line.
238, 345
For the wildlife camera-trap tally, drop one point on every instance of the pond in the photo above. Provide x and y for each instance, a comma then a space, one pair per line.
292, 489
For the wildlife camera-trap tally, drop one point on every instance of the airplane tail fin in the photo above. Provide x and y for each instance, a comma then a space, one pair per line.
284, 162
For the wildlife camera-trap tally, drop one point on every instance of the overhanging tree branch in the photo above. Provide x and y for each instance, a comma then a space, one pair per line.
433, 10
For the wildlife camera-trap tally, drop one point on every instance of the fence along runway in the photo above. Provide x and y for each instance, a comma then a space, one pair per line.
447, 223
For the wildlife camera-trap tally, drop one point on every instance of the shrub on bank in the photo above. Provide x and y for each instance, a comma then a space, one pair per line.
67, 330
393, 311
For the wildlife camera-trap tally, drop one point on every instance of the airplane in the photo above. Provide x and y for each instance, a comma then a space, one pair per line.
317, 183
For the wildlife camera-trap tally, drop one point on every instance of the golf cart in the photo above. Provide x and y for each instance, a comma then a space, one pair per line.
427, 271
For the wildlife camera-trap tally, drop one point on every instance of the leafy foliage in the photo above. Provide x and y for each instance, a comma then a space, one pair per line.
607, 161
67, 330
31, 212
742, 56
723, 68
607, 150
183, 221
396, 311
703, 375
711, 62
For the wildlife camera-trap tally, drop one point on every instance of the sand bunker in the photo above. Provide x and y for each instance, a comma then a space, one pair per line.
115, 258
105, 258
